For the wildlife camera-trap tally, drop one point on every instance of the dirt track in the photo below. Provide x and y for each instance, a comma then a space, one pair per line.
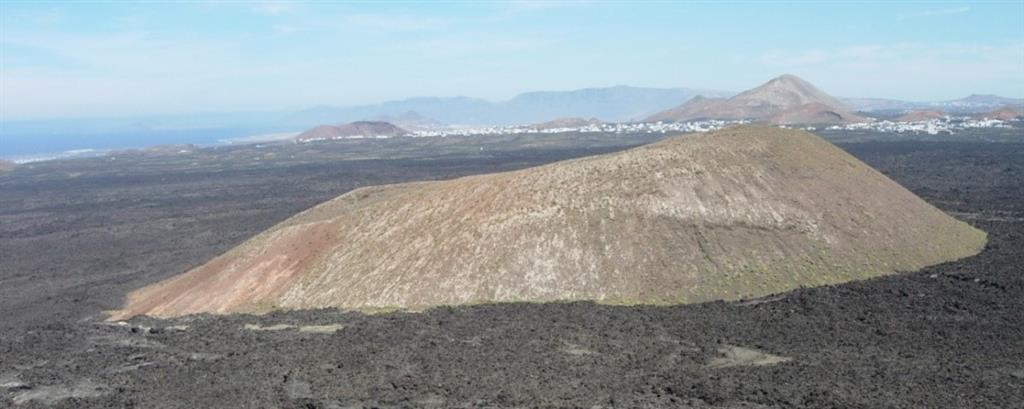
947, 336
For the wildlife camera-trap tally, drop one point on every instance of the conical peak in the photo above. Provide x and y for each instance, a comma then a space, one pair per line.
789, 78
785, 92
792, 83
774, 97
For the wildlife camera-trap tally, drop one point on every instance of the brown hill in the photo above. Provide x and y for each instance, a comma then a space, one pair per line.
784, 97
1006, 113
358, 129
697, 107
741, 212
813, 113
917, 116
566, 123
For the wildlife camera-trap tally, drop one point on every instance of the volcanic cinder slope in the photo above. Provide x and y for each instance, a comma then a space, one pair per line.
742, 212
786, 99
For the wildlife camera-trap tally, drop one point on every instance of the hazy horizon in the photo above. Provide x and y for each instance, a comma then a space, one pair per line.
288, 110
112, 60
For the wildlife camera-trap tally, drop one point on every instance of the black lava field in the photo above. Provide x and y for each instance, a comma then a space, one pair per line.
75, 236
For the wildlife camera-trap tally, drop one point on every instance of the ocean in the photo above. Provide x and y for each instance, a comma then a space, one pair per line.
42, 146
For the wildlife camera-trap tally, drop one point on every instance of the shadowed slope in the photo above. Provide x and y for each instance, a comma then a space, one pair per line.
742, 212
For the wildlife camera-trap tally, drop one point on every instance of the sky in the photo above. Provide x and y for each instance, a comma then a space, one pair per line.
87, 59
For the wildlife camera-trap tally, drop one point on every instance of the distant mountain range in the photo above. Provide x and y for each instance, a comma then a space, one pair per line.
614, 104
783, 100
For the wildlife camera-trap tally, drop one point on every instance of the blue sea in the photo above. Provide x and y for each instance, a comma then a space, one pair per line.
36, 146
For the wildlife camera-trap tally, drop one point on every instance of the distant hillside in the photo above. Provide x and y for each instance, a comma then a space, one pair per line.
618, 103
358, 129
977, 103
915, 116
411, 121
814, 113
566, 123
880, 104
783, 100
1006, 113
614, 104
972, 104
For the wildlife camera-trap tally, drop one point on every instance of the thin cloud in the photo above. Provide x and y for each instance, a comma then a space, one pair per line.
396, 22
894, 53
274, 8
518, 8
363, 21
937, 12
288, 29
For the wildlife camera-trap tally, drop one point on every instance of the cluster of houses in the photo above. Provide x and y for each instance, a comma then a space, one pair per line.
616, 128
948, 124
933, 126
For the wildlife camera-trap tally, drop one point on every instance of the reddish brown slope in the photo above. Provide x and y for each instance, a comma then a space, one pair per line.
814, 113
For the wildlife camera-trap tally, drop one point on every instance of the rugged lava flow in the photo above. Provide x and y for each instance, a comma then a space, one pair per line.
742, 212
